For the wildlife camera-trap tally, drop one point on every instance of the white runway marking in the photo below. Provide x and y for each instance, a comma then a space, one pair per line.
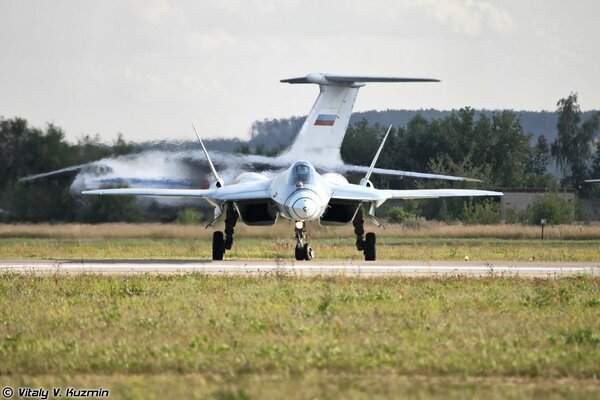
351, 268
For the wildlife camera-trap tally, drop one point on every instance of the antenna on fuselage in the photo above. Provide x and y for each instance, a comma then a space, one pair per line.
219, 182
365, 181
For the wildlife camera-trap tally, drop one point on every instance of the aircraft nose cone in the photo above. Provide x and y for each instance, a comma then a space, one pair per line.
304, 208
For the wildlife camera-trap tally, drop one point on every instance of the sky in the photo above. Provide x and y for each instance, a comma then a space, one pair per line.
148, 69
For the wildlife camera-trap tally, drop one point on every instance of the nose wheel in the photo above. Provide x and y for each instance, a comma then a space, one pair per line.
303, 251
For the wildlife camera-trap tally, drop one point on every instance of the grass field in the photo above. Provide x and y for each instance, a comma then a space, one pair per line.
280, 336
326, 249
434, 242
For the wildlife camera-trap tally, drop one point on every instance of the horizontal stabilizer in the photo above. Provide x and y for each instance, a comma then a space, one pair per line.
350, 80
342, 78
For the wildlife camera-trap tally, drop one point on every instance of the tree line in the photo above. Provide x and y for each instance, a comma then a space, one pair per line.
27, 150
492, 147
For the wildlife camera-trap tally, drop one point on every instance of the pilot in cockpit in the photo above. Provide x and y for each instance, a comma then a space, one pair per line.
302, 174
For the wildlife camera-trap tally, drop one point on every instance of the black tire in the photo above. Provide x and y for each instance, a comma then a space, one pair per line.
308, 251
218, 246
299, 253
370, 253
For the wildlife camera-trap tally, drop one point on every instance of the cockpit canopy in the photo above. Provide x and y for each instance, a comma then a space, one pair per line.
302, 173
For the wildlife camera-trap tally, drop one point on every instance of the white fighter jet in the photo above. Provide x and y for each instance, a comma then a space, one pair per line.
298, 193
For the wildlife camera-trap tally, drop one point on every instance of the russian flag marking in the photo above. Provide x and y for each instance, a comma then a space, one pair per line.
325, 119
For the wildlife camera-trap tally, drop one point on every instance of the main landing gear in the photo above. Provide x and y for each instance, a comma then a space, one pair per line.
366, 245
220, 243
304, 251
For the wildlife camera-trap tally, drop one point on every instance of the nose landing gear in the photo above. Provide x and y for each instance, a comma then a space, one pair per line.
303, 251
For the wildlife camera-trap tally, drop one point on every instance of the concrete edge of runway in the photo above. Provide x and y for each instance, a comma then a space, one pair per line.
302, 268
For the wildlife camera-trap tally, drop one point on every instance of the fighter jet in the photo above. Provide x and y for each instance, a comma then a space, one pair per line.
299, 193
318, 141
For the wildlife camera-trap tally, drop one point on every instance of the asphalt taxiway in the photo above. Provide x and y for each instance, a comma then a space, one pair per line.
304, 268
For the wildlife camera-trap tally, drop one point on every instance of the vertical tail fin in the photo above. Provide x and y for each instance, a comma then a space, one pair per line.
219, 181
321, 135
365, 181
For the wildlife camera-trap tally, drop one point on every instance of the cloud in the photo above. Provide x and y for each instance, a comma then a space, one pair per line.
469, 17
213, 40
156, 12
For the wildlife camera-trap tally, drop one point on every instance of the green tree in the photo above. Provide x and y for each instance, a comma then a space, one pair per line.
487, 212
97, 209
121, 146
552, 207
539, 158
26, 150
47, 200
188, 216
492, 148
361, 143
537, 166
573, 145
244, 149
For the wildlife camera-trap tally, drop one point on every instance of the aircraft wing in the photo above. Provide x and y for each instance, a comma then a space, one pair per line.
393, 172
200, 193
63, 171
362, 193
236, 192
436, 193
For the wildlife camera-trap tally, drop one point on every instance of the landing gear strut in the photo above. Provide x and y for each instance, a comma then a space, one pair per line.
303, 251
220, 244
366, 245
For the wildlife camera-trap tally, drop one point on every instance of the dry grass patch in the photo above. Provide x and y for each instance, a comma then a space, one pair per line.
284, 229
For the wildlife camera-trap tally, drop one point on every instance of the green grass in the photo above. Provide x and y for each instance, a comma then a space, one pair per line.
281, 336
389, 248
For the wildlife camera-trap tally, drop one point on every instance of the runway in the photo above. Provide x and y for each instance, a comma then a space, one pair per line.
304, 268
